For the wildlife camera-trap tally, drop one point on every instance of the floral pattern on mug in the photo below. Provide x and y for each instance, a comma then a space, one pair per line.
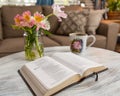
76, 45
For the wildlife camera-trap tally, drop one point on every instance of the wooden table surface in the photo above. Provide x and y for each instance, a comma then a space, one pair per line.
11, 84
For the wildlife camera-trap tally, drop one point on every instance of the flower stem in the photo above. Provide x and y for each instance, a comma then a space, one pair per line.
39, 47
49, 15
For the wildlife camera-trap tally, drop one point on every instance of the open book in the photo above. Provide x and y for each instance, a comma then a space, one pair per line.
49, 75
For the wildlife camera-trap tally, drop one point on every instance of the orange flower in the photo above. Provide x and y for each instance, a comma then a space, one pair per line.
38, 17
17, 19
27, 16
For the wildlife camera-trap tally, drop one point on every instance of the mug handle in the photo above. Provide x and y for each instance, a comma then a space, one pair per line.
94, 39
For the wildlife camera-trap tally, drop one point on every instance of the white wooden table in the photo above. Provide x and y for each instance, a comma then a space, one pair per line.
11, 84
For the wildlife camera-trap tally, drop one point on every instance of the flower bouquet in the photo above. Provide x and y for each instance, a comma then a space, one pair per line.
33, 26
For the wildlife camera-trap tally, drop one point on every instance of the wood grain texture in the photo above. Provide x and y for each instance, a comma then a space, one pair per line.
108, 84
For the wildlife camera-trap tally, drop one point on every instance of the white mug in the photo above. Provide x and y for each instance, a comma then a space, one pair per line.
79, 42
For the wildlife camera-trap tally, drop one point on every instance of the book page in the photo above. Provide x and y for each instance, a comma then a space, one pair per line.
49, 72
75, 62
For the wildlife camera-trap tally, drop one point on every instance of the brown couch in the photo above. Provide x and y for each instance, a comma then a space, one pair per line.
12, 41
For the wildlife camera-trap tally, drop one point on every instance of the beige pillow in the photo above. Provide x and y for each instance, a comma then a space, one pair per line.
94, 19
75, 22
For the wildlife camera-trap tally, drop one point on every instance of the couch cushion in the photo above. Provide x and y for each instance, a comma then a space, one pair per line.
1, 32
62, 40
13, 45
54, 23
48, 42
8, 14
65, 40
100, 41
94, 19
75, 22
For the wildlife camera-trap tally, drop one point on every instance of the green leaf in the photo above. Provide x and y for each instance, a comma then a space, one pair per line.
16, 27
46, 32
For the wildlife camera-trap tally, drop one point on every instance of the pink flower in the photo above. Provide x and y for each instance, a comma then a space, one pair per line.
46, 25
27, 21
58, 12
32, 22
38, 17
77, 45
43, 24
18, 20
26, 16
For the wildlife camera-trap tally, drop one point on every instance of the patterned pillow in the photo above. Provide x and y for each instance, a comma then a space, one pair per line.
75, 22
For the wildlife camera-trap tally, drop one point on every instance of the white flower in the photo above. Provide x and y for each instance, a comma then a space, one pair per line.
58, 12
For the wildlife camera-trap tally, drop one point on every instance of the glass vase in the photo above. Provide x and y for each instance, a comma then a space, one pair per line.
33, 47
